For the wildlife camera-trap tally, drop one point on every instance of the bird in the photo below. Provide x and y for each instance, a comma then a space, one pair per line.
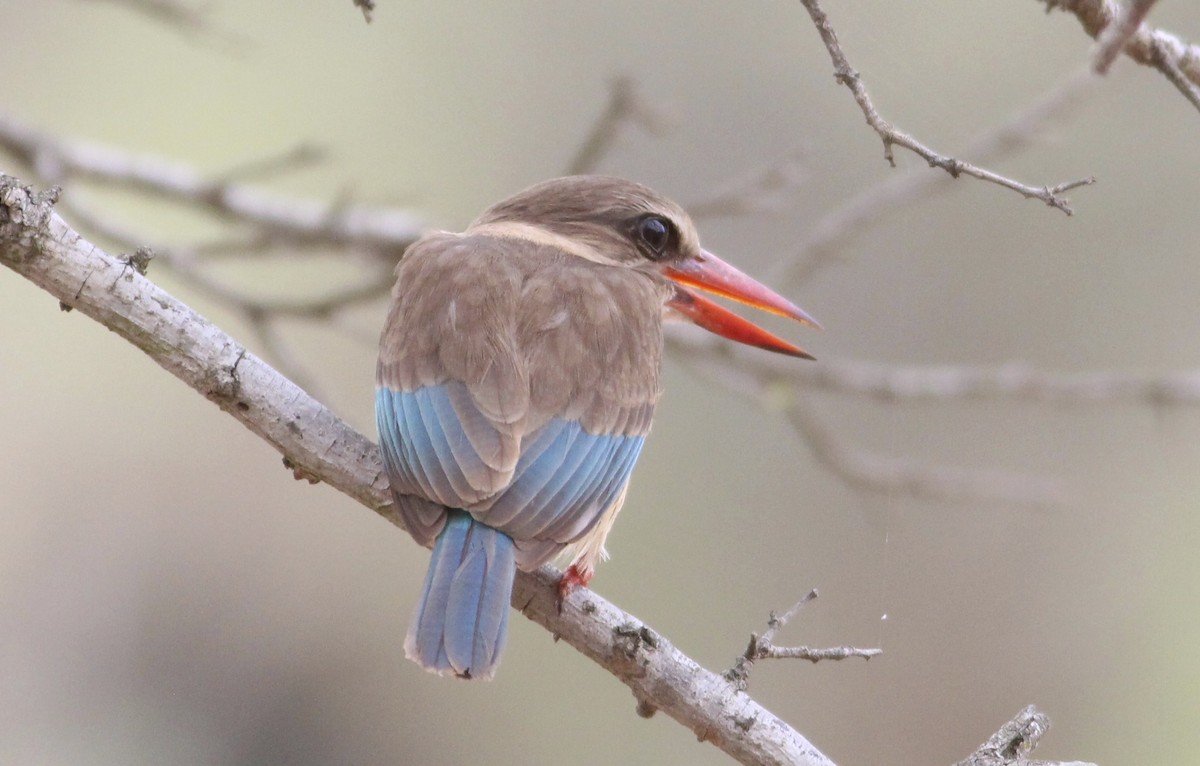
519, 368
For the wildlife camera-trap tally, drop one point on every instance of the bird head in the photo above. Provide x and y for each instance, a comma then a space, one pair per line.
621, 223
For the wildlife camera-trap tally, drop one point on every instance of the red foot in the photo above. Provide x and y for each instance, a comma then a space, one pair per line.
571, 580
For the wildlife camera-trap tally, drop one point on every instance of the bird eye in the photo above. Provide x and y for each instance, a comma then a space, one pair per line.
655, 232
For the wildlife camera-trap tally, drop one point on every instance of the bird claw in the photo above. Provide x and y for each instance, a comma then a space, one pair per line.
571, 579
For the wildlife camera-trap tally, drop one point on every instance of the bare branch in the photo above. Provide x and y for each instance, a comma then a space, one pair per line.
187, 19
891, 476
1177, 60
367, 7
1117, 33
897, 383
1008, 746
1165, 60
762, 189
834, 230
762, 648
892, 136
782, 387
56, 161
36, 243
765, 650
774, 623
172, 13
626, 107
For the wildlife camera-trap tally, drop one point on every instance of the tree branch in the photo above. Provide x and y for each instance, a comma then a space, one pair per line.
367, 7
626, 108
1177, 60
762, 647
893, 136
56, 161
1117, 33
822, 244
1008, 746
36, 243
938, 383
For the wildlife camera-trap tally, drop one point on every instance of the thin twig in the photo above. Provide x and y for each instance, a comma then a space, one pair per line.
888, 383
739, 673
892, 136
826, 239
768, 651
383, 230
626, 107
762, 189
367, 7
186, 19
783, 386
899, 476
763, 648
775, 622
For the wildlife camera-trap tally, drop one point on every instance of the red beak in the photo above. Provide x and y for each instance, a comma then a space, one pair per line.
710, 273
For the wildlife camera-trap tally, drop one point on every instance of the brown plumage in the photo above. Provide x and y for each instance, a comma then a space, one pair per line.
518, 372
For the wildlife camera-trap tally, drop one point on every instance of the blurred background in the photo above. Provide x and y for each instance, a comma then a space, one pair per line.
168, 594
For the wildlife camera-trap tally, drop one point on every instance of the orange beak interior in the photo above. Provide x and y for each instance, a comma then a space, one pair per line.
710, 273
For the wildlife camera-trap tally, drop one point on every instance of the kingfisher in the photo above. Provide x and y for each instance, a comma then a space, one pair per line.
519, 368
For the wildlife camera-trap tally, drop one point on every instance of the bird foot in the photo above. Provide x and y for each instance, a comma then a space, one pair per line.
571, 579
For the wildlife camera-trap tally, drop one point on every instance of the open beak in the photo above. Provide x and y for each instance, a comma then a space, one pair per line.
710, 273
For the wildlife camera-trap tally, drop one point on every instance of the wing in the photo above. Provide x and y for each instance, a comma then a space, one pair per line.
516, 382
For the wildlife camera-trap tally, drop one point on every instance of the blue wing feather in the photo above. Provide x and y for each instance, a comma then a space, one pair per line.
441, 434
606, 485
592, 466
396, 456
577, 461
540, 462
563, 481
416, 449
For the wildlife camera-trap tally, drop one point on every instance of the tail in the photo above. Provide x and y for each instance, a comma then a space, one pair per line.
461, 622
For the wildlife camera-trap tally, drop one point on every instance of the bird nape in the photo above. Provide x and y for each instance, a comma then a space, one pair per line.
518, 372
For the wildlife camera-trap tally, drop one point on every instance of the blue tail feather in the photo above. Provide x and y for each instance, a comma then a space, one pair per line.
461, 621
